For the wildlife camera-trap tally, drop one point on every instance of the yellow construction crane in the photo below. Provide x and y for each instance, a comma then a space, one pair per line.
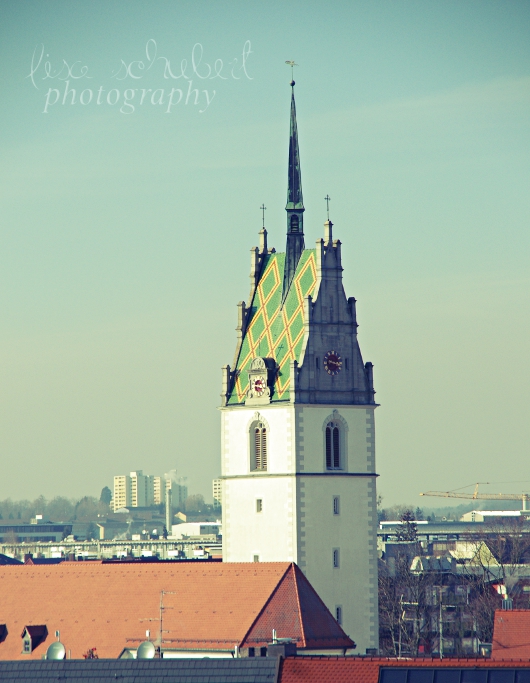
524, 497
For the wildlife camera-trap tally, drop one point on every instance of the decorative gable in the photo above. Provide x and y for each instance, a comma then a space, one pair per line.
272, 330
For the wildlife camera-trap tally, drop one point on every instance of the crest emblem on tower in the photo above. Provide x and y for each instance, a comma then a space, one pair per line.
260, 380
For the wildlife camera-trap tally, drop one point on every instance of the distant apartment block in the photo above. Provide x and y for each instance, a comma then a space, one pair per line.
179, 491
136, 490
158, 493
217, 493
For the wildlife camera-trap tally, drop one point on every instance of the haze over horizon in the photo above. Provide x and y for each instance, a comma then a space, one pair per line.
126, 232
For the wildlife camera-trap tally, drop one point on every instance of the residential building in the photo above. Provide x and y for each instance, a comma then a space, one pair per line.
122, 492
427, 607
179, 489
135, 490
406, 670
269, 669
298, 431
208, 608
257, 670
158, 490
217, 491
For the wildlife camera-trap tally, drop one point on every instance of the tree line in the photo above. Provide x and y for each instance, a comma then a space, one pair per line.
64, 510
58, 509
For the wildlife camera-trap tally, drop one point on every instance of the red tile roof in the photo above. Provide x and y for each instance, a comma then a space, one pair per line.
209, 606
296, 611
308, 669
511, 634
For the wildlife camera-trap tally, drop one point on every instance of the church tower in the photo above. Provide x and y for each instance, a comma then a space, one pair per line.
298, 435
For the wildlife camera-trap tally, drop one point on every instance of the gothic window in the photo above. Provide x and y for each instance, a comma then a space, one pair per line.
336, 558
333, 461
294, 223
259, 504
258, 438
338, 614
336, 505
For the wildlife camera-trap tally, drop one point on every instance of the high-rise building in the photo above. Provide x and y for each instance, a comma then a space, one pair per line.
179, 489
134, 490
298, 435
122, 492
217, 491
158, 492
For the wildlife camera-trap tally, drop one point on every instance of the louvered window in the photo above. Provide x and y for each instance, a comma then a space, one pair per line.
333, 446
259, 459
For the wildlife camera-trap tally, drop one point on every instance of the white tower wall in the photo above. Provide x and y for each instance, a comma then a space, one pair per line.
296, 519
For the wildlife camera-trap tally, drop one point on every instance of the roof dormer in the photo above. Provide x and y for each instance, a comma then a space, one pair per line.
32, 637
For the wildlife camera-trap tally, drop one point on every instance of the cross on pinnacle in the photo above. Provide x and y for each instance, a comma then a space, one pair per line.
263, 209
292, 64
327, 199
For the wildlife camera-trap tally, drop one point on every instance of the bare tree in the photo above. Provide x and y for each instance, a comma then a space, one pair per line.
491, 562
406, 603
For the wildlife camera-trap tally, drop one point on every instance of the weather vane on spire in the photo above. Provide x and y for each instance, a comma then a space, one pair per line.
263, 209
327, 199
292, 64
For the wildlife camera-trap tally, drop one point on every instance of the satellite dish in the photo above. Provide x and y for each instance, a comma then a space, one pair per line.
146, 650
56, 651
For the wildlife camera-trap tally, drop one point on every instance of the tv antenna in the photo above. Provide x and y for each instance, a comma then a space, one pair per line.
160, 620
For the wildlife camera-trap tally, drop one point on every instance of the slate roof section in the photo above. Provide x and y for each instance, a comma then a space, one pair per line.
263, 670
273, 330
511, 634
210, 606
257, 670
6, 559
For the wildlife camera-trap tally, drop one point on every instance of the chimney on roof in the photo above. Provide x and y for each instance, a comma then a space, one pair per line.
281, 647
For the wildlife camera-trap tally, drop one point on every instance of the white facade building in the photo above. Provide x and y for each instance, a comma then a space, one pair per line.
135, 490
217, 492
298, 434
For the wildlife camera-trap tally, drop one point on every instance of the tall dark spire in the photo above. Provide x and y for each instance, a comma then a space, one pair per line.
295, 204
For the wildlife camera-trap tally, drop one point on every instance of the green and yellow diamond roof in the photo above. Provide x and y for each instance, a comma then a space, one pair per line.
273, 330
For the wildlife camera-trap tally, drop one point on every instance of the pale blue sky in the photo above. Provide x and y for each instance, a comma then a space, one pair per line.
125, 236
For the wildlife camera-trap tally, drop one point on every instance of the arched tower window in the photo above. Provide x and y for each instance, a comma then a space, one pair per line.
294, 223
258, 442
333, 455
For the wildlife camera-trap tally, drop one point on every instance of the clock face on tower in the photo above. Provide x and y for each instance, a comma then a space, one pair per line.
332, 363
